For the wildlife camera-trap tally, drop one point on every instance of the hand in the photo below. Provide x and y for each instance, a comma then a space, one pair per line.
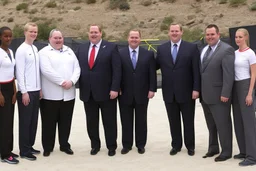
40, 95
195, 95
14, 98
151, 94
2, 100
67, 84
25, 99
113, 94
120, 92
248, 100
224, 99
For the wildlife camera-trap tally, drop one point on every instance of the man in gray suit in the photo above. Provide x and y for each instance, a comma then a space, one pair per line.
217, 75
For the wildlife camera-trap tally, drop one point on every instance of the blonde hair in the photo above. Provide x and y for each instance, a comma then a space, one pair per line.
29, 24
246, 34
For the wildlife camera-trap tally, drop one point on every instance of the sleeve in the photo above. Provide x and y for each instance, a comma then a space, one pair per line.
252, 57
152, 72
116, 68
47, 70
196, 69
20, 57
77, 70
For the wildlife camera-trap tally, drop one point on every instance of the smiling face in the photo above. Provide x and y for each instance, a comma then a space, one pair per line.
31, 33
56, 40
6, 38
94, 34
175, 33
134, 39
212, 36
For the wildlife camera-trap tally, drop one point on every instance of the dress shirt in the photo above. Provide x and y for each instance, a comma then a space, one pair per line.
97, 47
178, 46
212, 50
6, 66
57, 66
27, 68
137, 52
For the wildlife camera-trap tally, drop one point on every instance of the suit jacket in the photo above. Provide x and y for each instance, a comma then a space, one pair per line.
218, 74
136, 83
181, 78
104, 76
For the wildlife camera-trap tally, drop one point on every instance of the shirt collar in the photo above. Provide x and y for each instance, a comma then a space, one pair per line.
97, 45
137, 49
178, 43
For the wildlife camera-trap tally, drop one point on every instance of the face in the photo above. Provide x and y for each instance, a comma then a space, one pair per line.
175, 33
134, 39
240, 38
211, 36
94, 34
56, 40
6, 38
31, 33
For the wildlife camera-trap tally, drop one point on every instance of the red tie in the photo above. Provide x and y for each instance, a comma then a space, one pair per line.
92, 55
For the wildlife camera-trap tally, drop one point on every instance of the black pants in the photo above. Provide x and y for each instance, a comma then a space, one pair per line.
28, 119
55, 112
187, 110
127, 119
108, 113
6, 121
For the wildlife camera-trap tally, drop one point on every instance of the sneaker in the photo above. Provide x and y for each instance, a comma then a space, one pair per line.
34, 151
247, 162
10, 160
14, 155
29, 156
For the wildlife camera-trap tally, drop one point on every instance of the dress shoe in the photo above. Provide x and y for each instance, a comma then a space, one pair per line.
28, 156
174, 151
210, 154
14, 155
125, 150
94, 151
141, 150
67, 151
111, 152
46, 153
222, 158
239, 156
34, 151
247, 162
191, 152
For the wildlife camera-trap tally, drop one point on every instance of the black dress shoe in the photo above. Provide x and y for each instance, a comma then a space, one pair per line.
174, 151
222, 158
239, 156
247, 162
46, 153
141, 150
111, 152
34, 151
94, 151
67, 151
14, 155
210, 154
125, 150
191, 152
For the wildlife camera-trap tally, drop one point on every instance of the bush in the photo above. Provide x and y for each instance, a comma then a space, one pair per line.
169, 1
192, 35
5, 2
77, 8
77, 1
146, 3
22, 6
166, 23
124, 6
236, 3
33, 11
253, 6
90, 1
18, 31
51, 4
10, 20
121, 4
44, 29
223, 1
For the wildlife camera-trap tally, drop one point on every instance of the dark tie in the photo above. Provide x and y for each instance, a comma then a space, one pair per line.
174, 53
134, 59
206, 56
92, 56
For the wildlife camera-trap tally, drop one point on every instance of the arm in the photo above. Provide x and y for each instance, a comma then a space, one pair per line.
152, 76
14, 94
196, 73
2, 100
249, 96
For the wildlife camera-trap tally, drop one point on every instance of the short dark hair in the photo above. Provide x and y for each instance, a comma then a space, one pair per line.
213, 26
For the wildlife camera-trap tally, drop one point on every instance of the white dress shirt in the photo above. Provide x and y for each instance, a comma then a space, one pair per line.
97, 47
137, 52
56, 67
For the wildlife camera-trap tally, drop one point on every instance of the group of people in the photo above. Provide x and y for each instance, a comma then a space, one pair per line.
217, 74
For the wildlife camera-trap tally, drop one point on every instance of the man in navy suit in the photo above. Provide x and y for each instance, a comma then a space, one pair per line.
179, 64
138, 85
99, 86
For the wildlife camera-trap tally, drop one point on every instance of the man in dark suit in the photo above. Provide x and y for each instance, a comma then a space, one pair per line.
99, 86
217, 73
138, 85
179, 64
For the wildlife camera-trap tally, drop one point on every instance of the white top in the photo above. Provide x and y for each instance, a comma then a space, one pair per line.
56, 67
243, 60
97, 47
6, 66
27, 68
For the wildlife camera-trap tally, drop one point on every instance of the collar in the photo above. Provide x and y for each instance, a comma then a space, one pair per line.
97, 45
178, 43
137, 49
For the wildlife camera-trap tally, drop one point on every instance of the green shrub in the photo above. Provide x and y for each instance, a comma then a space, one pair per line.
166, 23
90, 1
18, 31
124, 6
10, 20
121, 4
22, 6
51, 4
223, 1
77, 8
146, 3
236, 3
192, 35
169, 1
253, 6
44, 29
4, 2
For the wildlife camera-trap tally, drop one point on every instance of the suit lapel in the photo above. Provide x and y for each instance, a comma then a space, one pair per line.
212, 56
181, 49
128, 59
169, 53
102, 48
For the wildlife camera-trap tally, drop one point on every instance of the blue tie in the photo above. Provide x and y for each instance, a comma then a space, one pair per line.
174, 53
134, 59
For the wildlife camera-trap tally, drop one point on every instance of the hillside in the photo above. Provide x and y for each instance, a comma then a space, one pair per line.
74, 16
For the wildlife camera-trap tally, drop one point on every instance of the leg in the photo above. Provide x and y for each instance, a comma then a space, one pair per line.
65, 120
126, 114
108, 112
173, 112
